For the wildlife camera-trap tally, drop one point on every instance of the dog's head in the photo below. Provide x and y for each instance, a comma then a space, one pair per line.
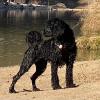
60, 32
54, 27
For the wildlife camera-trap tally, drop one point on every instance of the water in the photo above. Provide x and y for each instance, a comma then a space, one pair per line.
14, 24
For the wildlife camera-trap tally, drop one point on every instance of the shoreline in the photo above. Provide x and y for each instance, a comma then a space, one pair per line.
76, 63
22, 6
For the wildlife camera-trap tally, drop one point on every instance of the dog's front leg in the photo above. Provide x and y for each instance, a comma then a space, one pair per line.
69, 74
54, 76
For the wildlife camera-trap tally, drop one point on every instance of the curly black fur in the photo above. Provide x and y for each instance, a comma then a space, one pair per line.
33, 38
47, 50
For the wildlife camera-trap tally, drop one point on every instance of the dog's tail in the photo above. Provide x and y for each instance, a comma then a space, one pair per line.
33, 38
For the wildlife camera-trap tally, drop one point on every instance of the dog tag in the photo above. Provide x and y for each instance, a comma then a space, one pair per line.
60, 46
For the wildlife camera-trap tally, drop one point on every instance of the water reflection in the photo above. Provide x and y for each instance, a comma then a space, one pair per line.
14, 24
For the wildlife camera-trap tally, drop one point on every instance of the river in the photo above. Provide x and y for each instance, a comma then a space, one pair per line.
14, 24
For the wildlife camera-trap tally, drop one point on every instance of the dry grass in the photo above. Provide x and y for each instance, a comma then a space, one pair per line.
85, 42
91, 25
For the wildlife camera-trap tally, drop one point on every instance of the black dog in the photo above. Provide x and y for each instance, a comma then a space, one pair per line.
59, 33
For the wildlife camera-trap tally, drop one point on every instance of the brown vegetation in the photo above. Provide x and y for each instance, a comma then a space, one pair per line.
91, 25
90, 29
92, 42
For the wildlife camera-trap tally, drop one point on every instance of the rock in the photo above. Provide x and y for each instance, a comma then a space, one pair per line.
59, 5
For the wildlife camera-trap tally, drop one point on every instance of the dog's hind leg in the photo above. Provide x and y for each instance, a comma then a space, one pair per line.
26, 64
40, 68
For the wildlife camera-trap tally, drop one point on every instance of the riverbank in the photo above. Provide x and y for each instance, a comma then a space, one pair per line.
21, 6
57, 7
86, 75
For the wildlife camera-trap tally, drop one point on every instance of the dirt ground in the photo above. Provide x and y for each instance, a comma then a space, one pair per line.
86, 75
